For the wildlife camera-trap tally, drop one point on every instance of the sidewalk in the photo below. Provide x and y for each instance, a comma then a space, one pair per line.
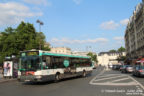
2, 80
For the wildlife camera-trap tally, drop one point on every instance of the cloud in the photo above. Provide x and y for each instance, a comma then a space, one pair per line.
77, 1
75, 41
38, 2
120, 38
13, 13
124, 22
109, 25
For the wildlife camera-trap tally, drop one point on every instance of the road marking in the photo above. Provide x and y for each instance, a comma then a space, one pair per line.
107, 75
91, 82
137, 83
108, 78
120, 80
116, 84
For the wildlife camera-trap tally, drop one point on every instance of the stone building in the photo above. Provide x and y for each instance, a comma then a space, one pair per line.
62, 50
106, 58
134, 33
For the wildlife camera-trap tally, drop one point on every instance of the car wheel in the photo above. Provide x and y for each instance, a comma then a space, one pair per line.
133, 74
139, 75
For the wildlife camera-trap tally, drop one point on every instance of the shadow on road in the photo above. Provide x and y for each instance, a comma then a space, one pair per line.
51, 82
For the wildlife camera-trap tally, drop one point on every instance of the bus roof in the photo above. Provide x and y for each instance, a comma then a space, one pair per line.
41, 52
63, 55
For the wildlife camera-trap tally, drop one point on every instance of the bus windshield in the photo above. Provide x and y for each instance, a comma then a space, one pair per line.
30, 63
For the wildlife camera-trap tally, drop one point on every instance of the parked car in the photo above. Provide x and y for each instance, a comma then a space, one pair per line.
138, 70
129, 69
110, 66
121, 67
116, 67
126, 69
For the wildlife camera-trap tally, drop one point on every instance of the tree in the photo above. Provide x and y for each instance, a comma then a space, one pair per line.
121, 58
121, 49
93, 56
24, 37
112, 50
7, 45
40, 40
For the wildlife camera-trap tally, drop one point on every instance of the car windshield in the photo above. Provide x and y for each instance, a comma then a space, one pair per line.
30, 63
124, 66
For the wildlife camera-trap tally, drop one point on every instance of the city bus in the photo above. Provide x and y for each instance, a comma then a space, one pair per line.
40, 66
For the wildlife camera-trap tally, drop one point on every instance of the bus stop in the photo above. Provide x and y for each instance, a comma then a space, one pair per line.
10, 67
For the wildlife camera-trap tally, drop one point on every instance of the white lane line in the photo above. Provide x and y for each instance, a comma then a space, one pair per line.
117, 84
108, 78
137, 83
109, 75
91, 82
120, 80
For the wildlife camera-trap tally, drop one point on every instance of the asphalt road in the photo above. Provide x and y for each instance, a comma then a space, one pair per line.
100, 83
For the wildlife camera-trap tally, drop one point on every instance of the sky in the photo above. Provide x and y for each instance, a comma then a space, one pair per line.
82, 25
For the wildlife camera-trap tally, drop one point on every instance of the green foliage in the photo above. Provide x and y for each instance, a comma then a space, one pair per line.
121, 58
24, 37
7, 43
47, 48
112, 50
93, 57
121, 49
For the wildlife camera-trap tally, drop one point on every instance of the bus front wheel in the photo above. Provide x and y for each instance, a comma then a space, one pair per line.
84, 74
57, 77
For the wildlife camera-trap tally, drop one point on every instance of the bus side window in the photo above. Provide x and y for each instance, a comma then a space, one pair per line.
44, 62
54, 62
61, 62
48, 62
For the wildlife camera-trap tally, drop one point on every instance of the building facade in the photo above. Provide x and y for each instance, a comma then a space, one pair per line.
80, 53
62, 50
109, 58
134, 34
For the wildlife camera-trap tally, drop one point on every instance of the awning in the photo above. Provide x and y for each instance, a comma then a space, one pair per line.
138, 61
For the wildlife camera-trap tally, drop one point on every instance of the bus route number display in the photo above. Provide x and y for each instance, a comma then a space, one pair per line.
32, 53
23, 54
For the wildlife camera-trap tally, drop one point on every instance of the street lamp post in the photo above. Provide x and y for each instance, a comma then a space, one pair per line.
40, 23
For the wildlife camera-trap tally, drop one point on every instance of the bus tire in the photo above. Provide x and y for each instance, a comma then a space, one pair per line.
84, 74
57, 77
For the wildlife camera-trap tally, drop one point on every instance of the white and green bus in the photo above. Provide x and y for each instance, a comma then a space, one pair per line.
39, 66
